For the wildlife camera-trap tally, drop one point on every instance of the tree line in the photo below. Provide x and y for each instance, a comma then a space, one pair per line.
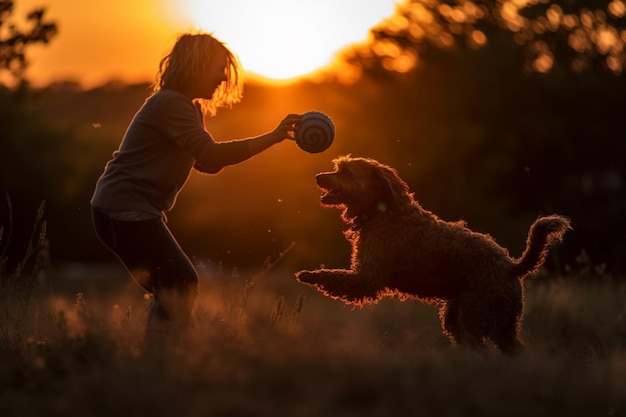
493, 111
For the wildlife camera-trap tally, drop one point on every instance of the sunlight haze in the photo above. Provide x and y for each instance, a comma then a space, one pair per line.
102, 40
282, 39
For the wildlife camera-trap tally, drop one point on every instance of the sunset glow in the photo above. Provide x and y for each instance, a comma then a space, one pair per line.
283, 39
101, 40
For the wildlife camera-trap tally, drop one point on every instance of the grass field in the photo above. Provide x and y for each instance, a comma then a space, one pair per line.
264, 345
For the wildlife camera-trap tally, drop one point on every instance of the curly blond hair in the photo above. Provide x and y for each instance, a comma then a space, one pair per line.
190, 56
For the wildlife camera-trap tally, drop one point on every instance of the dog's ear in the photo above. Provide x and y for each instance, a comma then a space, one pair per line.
394, 189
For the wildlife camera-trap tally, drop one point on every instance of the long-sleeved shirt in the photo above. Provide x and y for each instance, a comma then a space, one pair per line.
164, 141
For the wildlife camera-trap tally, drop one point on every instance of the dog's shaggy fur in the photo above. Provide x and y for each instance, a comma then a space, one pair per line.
398, 248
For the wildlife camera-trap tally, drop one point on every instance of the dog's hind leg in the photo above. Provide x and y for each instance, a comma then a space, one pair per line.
465, 319
508, 343
458, 329
505, 334
449, 317
342, 284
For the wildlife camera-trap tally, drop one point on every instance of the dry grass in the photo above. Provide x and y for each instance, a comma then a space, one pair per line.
264, 345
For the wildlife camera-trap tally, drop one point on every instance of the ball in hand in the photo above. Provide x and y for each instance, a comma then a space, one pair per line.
315, 133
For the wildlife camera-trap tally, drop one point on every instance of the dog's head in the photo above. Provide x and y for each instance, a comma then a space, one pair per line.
363, 187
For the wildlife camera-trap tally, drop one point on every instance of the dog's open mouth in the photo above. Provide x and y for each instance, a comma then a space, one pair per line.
326, 184
330, 196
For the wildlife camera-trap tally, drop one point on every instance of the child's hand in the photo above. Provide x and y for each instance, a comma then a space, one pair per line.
287, 127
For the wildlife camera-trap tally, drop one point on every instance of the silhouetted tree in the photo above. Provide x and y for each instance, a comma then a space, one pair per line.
505, 109
14, 41
27, 146
551, 33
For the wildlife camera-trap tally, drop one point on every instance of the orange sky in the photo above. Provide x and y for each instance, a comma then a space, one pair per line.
99, 40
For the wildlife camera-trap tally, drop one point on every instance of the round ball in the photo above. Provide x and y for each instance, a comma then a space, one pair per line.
316, 132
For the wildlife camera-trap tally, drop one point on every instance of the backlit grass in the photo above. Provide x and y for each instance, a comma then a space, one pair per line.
264, 345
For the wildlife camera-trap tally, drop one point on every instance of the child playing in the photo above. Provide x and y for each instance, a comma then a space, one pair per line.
166, 140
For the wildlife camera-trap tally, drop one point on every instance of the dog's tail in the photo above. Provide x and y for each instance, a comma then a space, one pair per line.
544, 232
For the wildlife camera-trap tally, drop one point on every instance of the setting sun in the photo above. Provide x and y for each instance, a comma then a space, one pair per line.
285, 39
102, 40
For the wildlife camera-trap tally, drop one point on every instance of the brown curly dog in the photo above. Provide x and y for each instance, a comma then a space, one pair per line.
398, 248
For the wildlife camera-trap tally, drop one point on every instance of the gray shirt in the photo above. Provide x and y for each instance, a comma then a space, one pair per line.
164, 141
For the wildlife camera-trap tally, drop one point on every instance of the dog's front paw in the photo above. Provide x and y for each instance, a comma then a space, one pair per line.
306, 277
